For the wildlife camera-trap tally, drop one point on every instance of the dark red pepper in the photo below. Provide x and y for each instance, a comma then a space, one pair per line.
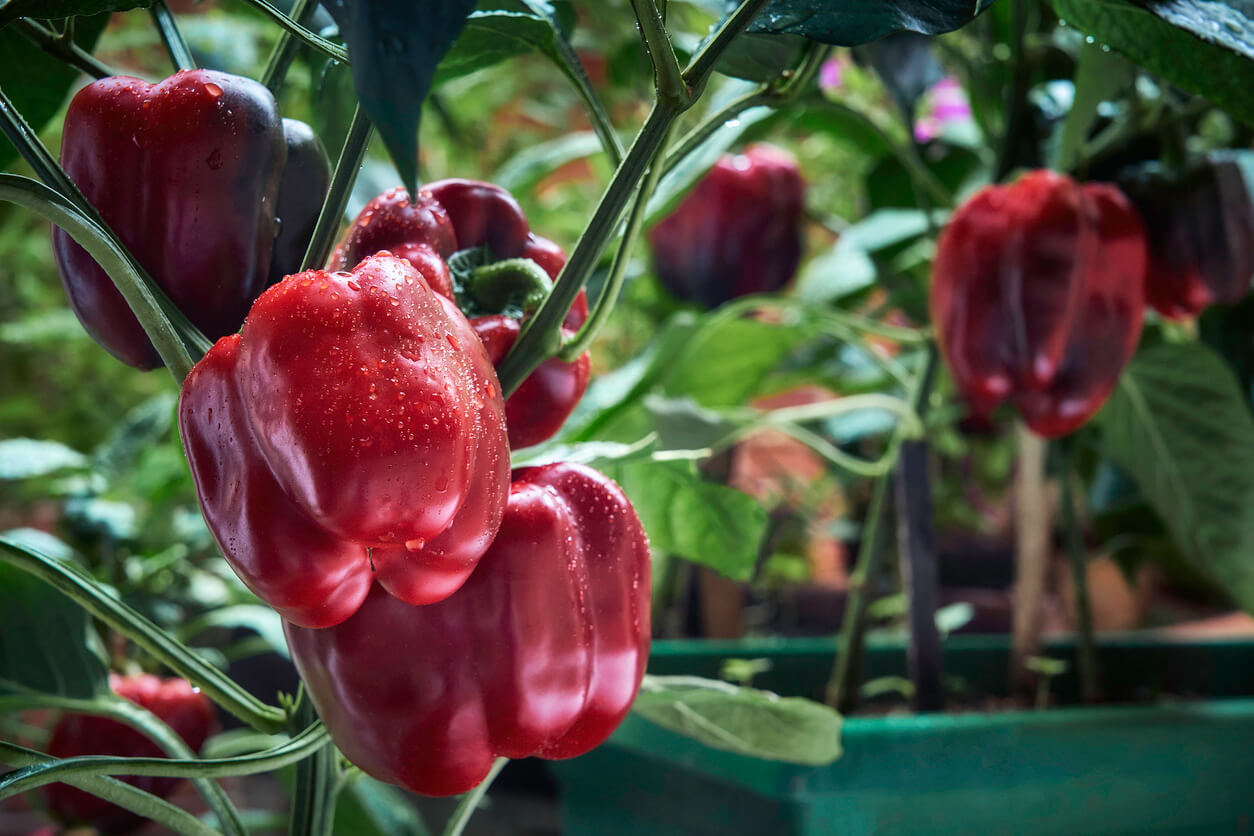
1201, 233
541, 652
302, 189
737, 233
174, 701
354, 431
457, 215
1038, 291
186, 172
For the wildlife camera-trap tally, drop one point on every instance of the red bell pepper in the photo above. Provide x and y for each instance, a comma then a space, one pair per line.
186, 172
302, 189
354, 431
183, 708
737, 233
541, 652
1038, 292
456, 215
1201, 233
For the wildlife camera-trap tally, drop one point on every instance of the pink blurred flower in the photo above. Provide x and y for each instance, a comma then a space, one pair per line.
945, 103
832, 72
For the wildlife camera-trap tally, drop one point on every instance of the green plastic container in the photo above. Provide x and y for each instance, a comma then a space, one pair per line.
1182, 764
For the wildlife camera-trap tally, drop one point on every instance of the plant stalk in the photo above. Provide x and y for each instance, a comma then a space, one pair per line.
1077, 557
179, 51
285, 50
322, 241
1032, 553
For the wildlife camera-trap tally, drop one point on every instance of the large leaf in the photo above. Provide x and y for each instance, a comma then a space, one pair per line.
53, 9
853, 22
373, 808
34, 81
709, 524
394, 47
742, 720
46, 642
1203, 46
1179, 425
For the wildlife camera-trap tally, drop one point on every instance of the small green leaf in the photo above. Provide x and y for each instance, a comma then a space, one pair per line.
394, 47
27, 458
47, 644
1180, 427
532, 164
1203, 46
742, 720
373, 808
709, 524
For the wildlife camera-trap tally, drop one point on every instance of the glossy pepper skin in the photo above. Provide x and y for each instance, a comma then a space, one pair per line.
353, 432
541, 652
737, 233
186, 172
302, 188
1201, 233
453, 215
184, 709
1038, 291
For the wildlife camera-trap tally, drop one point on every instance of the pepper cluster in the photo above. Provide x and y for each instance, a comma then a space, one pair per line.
1039, 287
350, 445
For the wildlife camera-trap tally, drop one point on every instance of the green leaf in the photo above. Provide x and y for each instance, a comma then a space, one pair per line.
761, 57
47, 644
373, 808
34, 81
853, 22
26, 458
394, 47
1203, 46
1180, 427
145, 426
848, 267
56, 9
742, 720
532, 164
709, 524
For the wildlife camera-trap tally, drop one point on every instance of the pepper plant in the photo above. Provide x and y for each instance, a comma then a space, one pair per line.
426, 483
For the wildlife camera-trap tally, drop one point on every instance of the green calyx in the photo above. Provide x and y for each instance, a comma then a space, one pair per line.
514, 286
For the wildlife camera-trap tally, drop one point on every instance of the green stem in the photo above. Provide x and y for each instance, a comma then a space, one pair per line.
707, 55
148, 724
668, 78
541, 336
143, 804
842, 691
306, 37
54, 208
28, 778
65, 50
285, 50
696, 137
83, 590
323, 239
613, 287
180, 53
1077, 557
572, 68
317, 785
470, 801
1016, 111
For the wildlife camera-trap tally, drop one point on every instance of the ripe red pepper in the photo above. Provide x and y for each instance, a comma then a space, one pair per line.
186, 172
1038, 292
1201, 234
737, 233
183, 708
456, 215
354, 431
541, 652
302, 189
